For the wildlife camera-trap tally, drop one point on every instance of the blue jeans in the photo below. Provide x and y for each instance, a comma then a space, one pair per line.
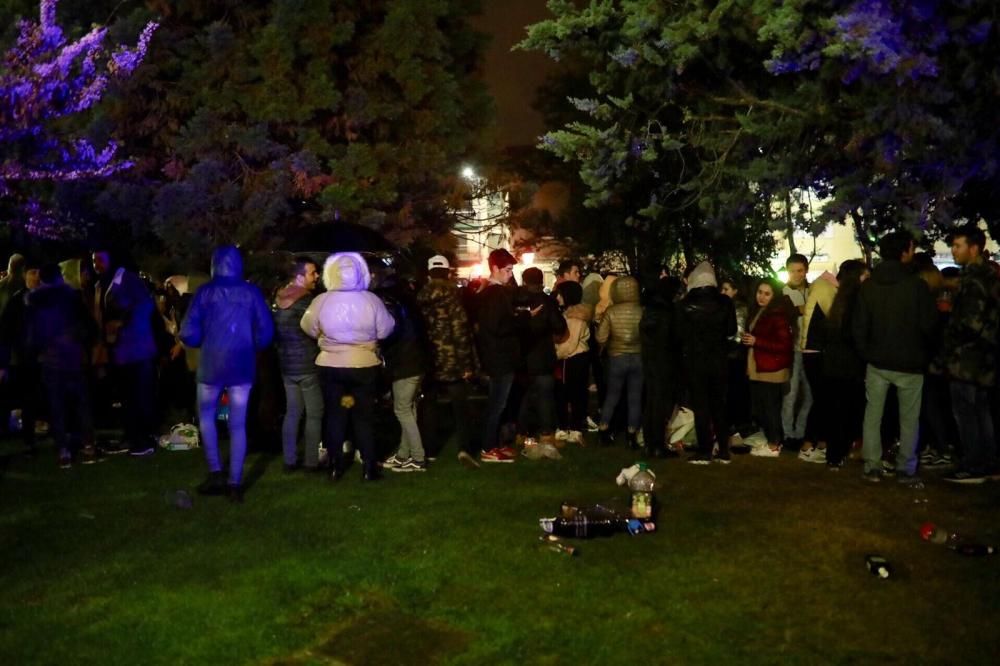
302, 394
208, 400
971, 405
496, 401
797, 402
624, 373
909, 388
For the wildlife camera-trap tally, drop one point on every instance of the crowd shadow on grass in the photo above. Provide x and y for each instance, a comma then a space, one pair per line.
257, 470
380, 633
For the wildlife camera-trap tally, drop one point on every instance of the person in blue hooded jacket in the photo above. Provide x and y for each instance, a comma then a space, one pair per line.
230, 322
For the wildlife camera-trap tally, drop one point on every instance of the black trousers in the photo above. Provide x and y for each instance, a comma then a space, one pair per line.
818, 422
658, 407
707, 391
361, 384
572, 392
847, 416
455, 394
137, 383
765, 403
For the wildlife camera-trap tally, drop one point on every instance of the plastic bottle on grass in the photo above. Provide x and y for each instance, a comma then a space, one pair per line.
641, 485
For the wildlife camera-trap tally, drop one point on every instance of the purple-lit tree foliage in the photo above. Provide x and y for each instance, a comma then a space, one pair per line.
45, 80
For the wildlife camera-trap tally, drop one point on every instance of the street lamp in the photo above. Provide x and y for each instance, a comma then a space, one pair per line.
468, 173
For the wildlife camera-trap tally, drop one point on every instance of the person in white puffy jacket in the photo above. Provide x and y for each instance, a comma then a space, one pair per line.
348, 321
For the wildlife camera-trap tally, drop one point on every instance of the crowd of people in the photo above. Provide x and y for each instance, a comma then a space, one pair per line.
898, 361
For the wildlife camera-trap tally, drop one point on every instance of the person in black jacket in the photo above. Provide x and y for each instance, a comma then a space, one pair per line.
659, 364
706, 321
297, 360
892, 328
544, 327
843, 369
499, 349
59, 333
405, 364
20, 375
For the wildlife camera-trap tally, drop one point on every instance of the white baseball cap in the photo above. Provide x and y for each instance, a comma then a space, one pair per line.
438, 261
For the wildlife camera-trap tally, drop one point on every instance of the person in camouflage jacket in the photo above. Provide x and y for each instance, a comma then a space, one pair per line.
968, 355
453, 361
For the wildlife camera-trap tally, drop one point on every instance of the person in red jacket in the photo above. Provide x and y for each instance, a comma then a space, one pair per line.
770, 339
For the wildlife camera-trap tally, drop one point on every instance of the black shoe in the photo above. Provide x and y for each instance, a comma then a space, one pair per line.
214, 484
113, 447
700, 459
337, 473
372, 474
633, 440
722, 457
236, 493
606, 437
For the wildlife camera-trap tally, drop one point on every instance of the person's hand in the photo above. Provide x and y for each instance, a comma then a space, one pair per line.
176, 351
535, 311
467, 375
749, 340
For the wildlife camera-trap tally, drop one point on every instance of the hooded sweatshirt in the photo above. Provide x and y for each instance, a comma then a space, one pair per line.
348, 320
229, 321
296, 350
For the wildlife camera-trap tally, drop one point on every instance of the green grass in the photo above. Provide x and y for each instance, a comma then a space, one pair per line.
759, 562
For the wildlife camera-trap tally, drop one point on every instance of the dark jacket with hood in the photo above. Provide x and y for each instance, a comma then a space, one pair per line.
619, 327
296, 350
230, 321
706, 320
539, 332
657, 333
124, 298
13, 324
895, 318
59, 329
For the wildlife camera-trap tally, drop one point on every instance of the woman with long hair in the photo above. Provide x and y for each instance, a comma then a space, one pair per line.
843, 367
770, 339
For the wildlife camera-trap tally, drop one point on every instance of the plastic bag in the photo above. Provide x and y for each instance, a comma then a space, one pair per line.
182, 437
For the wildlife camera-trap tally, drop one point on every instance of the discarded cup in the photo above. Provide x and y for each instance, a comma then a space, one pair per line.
180, 499
878, 566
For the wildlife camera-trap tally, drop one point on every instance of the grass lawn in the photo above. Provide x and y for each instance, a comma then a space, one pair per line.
758, 562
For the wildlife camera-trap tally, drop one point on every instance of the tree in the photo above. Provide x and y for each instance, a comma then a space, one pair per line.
46, 82
712, 118
256, 118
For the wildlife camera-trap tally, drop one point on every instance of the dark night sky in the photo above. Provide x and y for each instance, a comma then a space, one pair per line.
513, 77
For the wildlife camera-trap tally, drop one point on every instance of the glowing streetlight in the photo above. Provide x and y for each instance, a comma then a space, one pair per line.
468, 173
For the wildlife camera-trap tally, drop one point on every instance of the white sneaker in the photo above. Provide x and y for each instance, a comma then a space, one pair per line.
766, 452
591, 426
806, 454
574, 437
817, 456
562, 435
